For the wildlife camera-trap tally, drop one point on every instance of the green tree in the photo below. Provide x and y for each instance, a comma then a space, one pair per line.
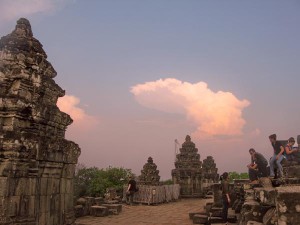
167, 182
94, 181
234, 175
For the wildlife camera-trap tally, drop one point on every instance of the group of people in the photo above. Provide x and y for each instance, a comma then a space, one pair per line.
258, 167
259, 164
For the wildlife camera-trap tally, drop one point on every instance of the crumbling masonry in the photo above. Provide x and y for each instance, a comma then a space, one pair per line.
37, 163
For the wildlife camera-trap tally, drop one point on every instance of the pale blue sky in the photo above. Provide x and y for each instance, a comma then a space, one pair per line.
101, 49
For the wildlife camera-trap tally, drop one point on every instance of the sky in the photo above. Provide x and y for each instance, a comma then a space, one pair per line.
140, 74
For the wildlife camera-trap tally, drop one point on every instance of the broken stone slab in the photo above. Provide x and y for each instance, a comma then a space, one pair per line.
99, 211
270, 217
192, 214
200, 219
117, 208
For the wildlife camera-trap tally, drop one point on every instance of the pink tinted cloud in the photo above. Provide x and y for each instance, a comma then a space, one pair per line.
13, 9
69, 104
213, 113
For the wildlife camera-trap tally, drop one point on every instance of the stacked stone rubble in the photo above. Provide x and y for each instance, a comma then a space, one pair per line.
36, 162
188, 171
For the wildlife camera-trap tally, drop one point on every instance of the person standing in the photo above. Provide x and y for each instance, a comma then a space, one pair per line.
258, 166
225, 196
277, 156
131, 189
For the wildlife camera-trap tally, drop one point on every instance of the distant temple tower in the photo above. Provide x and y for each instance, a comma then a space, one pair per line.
149, 173
188, 171
37, 163
210, 173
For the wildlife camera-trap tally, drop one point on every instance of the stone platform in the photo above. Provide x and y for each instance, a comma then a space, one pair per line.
173, 213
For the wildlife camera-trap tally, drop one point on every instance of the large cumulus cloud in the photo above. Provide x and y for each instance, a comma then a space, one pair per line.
213, 113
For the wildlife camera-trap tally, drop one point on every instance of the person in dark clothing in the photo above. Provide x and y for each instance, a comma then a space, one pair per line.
225, 196
277, 156
258, 166
131, 189
291, 153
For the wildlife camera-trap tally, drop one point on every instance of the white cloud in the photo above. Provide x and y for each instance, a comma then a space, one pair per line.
14, 9
213, 113
69, 105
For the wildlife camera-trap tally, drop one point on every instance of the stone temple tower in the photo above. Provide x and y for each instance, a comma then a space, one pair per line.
149, 173
37, 163
188, 171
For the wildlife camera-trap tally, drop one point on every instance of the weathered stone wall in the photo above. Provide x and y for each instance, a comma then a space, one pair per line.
36, 162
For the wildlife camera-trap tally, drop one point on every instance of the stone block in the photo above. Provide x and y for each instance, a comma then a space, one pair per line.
288, 205
293, 171
99, 200
3, 186
215, 210
97, 210
208, 206
266, 196
79, 212
253, 211
265, 182
43, 185
115, 208
270, 217
249, 194
231, 218
254, 223
44, 204
213, 220
200, 219
192, 214
68, 170
239, 206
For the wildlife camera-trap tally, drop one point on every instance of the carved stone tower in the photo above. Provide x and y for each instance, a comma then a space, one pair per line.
188, 172
210, 173
149, 174
37, 163
209, 169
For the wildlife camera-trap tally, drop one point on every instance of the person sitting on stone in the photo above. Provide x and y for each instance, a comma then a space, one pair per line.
277, 156
257, 167
290, 153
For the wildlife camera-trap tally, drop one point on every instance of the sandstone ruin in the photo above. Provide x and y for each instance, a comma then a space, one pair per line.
149, 173
37, 163
190, 173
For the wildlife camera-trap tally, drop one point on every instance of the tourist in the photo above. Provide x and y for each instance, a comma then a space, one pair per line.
277, 156
290, 153
225, 196
258, 166
131, 189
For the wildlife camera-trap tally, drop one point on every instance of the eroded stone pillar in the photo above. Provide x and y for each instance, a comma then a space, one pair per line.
37, 163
